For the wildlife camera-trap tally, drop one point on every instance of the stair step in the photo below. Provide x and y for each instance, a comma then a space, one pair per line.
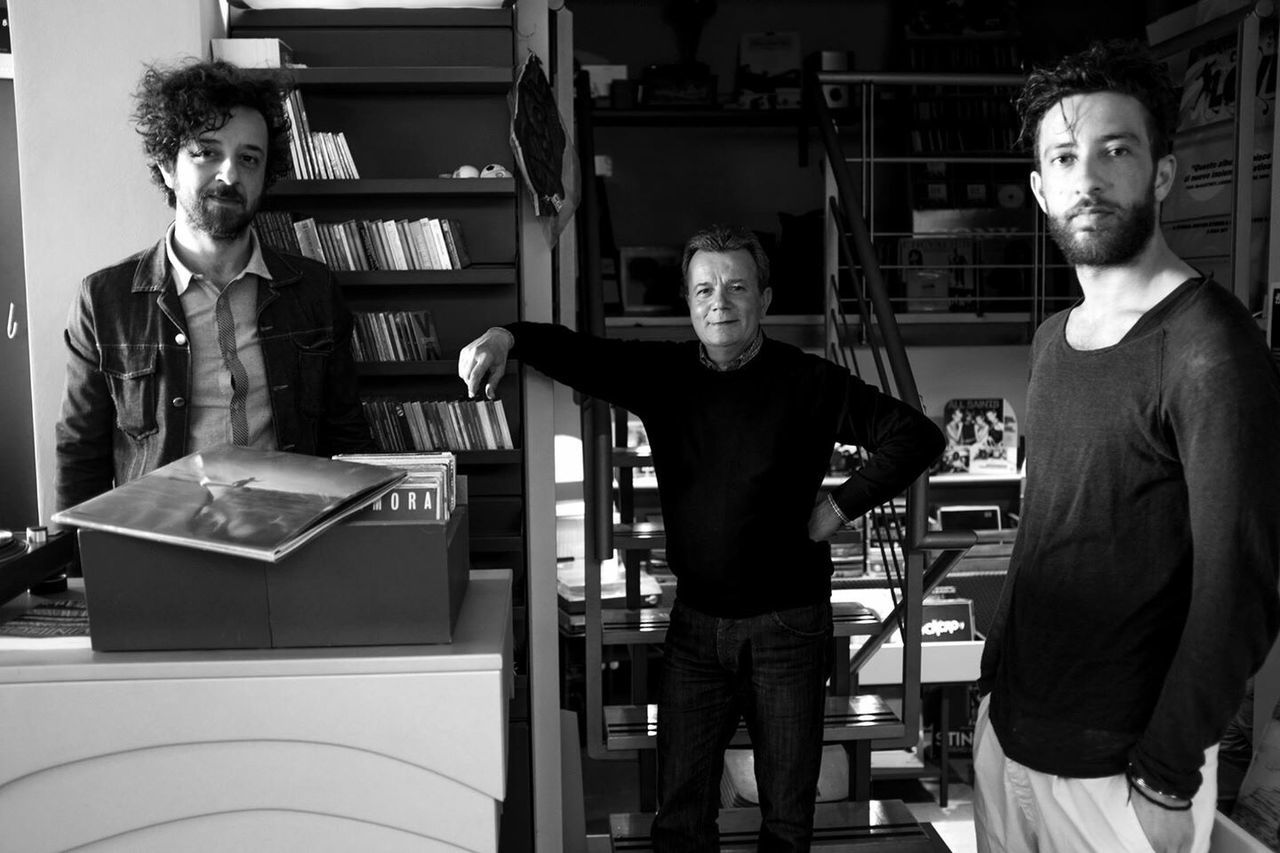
651, 535
648, 625
847, 718
630, 457
640, 536
867, 827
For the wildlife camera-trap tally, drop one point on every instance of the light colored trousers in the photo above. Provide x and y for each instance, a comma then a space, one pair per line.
1020, 810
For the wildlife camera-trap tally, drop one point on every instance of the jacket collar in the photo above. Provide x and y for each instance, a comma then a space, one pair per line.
752, 350
153, 271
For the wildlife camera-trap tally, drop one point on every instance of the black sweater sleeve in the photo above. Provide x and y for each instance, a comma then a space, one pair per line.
624, 373
901, 441
1223, 407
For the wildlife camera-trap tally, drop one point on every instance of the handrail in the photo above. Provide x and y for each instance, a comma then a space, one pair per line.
915, 78
896, 352
948, 547
597, 443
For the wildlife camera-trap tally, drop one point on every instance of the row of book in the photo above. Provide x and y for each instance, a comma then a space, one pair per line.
375, 244
982, 138
969, 55
394, 336
408, 425
317, 155
428, 491
943, 120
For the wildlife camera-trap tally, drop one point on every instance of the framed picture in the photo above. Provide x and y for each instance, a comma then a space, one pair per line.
649, 277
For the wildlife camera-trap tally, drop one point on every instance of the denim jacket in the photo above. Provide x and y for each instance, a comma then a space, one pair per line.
129, 371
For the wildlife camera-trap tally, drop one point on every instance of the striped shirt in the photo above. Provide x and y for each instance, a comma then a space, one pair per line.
219, 405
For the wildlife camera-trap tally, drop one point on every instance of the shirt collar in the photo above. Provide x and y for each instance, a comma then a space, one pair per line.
752, 350
182, 275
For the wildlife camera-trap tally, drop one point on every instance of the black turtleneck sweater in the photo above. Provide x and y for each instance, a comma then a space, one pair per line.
740, 455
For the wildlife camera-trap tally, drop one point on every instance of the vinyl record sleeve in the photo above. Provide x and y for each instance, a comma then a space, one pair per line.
260, 504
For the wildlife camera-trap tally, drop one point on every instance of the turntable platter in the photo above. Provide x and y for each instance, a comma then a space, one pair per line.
11, 546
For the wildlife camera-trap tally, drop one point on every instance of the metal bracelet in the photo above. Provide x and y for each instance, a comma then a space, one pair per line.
1156, 796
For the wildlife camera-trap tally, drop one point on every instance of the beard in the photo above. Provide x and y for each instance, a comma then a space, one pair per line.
1117, 242
221, 221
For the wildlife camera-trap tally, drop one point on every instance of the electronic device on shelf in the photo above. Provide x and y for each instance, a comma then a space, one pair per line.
33, 557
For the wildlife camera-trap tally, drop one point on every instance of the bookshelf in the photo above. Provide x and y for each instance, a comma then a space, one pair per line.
417, 93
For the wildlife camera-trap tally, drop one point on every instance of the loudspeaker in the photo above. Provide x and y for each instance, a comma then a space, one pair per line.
981, 587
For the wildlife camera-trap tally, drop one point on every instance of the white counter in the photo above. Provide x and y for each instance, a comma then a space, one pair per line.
377, 748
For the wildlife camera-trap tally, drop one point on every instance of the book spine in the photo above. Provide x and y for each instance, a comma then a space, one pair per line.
457, 245
436, 232
352, 171
419, 242
309, 239
409, 247
392, 238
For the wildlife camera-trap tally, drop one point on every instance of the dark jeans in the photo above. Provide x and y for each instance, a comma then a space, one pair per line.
770, 669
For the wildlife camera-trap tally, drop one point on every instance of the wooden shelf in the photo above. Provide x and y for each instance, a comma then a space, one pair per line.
447, 366
289, 18
452, 80
489, 457
481, 275
442, 367
487, 187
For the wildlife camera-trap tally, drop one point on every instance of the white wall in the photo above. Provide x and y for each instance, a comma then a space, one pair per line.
948, 373
87, 200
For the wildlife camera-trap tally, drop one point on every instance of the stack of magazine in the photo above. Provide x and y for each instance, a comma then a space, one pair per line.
260, 504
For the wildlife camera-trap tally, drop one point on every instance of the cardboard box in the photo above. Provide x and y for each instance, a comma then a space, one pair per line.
363, 582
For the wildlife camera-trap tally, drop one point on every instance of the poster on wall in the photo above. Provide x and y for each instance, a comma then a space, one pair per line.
1198, 213
982, 437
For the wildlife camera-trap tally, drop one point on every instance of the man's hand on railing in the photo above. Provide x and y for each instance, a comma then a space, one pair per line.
483, 359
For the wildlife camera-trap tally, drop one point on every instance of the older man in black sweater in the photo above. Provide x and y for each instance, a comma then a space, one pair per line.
742, 428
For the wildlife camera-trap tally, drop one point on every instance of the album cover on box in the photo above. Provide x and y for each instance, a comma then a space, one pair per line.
260, 504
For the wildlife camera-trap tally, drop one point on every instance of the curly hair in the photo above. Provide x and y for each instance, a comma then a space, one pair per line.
1124, 67
175, 105
724, 238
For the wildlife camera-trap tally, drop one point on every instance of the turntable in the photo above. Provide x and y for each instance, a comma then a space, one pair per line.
30, 558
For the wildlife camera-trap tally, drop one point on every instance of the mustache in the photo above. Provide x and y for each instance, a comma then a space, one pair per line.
1091, 206
227, 193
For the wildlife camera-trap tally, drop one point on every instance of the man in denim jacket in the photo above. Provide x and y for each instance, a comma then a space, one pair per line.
208, 337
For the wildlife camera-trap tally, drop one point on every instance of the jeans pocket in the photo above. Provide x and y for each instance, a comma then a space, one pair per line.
811, 621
